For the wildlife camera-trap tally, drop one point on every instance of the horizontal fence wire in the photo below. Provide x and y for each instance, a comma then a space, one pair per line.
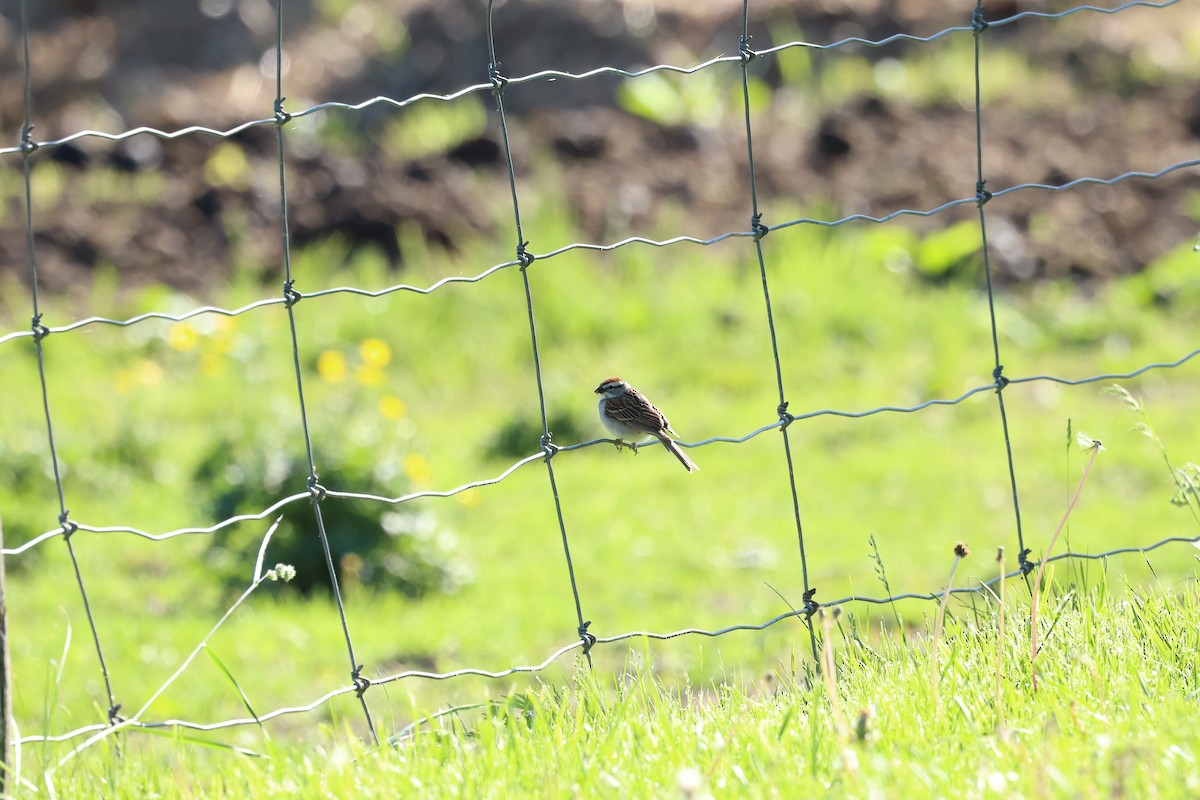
317, 494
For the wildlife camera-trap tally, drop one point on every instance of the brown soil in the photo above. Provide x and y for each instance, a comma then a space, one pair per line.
114, 66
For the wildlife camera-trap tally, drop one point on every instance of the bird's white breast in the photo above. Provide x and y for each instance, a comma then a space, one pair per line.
617, 429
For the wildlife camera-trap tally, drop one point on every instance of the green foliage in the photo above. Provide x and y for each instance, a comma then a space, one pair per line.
520, 436
228, 167
103, 186
431, 127
332, 11
952, 251
23, 465
672, 100
795, 64
1187, 478
371, 543
367, 21
1171, 281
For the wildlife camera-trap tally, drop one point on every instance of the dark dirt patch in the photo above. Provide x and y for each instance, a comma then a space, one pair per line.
114, 66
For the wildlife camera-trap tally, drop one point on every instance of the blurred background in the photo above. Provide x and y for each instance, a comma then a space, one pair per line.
163, 425
866, 130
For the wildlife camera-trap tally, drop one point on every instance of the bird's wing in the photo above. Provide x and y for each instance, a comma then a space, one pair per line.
637, 412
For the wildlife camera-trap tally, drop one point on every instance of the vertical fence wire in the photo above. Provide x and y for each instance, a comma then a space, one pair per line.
524, 260
40, 332
760, 230
982, 195
291, 298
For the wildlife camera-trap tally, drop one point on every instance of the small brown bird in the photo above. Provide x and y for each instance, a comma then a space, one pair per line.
627, 414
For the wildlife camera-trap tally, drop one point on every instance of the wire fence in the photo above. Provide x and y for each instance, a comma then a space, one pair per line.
524, 259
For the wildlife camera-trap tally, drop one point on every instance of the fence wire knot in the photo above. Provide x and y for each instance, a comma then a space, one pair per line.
998, 377
40, 331
982, 195
524, 257
315, 490
589, 639
744, 50
290, 295
281, 117
548, 447
361, 683
498, 81
810, 605
784, 417
760, 230
28, 145
1024, 563
68, 527
978, 23
114, 715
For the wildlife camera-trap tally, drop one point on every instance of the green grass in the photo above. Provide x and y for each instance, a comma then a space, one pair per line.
859, 327
866, 316
1113, 717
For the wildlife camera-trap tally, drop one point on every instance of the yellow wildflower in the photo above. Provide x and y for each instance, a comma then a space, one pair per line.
375, 353
416, 467
182, 336
392, 408
331, 365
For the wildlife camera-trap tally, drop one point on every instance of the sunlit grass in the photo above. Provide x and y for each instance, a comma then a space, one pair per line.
431, 385
654, 548
1113, 715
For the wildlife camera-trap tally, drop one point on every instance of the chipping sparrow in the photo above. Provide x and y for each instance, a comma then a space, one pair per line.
627, 414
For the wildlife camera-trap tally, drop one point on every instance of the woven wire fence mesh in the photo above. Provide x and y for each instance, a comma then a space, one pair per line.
42, 335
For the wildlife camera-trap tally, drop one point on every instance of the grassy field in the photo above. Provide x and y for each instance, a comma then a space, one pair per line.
163, 425
438, 377
1111, 717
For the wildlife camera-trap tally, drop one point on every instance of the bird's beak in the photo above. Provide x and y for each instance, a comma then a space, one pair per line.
599, 389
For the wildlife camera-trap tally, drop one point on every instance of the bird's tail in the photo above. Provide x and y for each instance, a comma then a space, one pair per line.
688, 464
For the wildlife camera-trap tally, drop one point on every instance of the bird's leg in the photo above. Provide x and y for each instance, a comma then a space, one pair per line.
619, 444
633, 447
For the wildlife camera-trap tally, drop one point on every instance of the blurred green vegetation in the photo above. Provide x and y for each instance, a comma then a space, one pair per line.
158, 423
811, 83
434, 128
163, 425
